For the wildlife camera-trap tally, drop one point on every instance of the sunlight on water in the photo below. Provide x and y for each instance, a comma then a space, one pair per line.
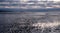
46, 25
30, 22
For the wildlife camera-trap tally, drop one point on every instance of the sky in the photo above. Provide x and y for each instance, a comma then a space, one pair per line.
56, 0
41, 0
35, 0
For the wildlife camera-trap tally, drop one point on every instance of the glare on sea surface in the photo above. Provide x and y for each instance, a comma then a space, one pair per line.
46, 25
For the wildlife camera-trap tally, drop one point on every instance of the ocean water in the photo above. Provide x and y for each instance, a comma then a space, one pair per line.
29, 22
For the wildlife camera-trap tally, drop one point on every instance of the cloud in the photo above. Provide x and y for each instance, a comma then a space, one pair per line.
2, 0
